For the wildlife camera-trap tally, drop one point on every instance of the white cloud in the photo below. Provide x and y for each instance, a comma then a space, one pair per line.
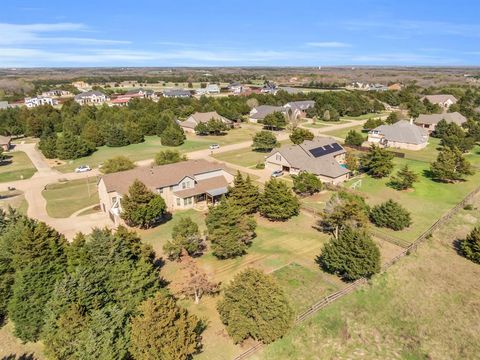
328, 44
32, 34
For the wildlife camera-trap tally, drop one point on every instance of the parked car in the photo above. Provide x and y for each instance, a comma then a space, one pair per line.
214, 146
277, 173
82, 168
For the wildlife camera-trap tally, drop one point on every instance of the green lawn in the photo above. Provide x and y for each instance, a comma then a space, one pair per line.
16, 166
423, 308
15, 199
364, 117
342, 133
243, 157
151, 146
322, 124
428, 201
63, 199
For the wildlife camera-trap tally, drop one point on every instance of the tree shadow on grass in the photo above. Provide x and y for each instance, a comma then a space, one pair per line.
24, 356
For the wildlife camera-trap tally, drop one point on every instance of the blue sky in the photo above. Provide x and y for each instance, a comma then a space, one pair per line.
232, 33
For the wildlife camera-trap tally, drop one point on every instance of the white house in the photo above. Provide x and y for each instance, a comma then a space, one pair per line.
183, 185
39, 100
90, 97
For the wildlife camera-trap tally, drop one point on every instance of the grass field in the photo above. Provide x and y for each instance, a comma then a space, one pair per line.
243, 157
365, 116
16, 166
15, 199
425, 307
321, 124
342, 133
63, 199
427, 202
151, 146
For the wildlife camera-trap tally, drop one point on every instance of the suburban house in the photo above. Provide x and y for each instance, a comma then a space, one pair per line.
183, 185
177, 93
56, 93
445, 101
299, 108
81, 85
3, 105
269, 88
429, 122
291, 90
322, 156
235, 87
258, 113
5, 142
193, 120
209, 89
401, 135
39, 100
141, 93
90, 97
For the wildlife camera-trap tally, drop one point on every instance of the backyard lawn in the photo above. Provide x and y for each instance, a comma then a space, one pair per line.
15, 199
365, 116
151, 146
342, 133
63, 199
321, 124
425, 307
16, 166
427, 202
243, 157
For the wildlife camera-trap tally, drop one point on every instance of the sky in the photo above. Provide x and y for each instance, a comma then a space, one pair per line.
239, 33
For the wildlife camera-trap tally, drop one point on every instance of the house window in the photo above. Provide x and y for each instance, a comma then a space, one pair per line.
160, 191
178, 202
278, 157
186, 185
187, 201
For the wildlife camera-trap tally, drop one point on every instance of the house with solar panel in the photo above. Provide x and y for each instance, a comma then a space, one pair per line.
322, 156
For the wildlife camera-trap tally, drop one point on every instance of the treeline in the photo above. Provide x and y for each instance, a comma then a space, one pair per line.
75, 131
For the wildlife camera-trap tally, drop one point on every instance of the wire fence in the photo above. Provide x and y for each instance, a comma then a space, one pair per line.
356, 284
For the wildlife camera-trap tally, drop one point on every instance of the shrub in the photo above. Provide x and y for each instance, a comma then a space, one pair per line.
354, 138
299, 135
352, 255
470, 246
185, 236
377, 162
264, 141
116, 164
278, 203
390, 214
169, 157
254, 306
306, 183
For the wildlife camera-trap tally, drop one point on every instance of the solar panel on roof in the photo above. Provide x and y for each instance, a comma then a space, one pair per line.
325, 150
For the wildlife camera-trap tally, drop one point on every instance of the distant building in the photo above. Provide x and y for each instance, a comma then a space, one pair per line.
444, 101
209, 89
5, 142
401, 135
183, 185
90, 97
429, 122
322, 156
258, 113
270, 88
193, 120
56, 93
141, 93
235, 87
3, 105
39, 100
177, 93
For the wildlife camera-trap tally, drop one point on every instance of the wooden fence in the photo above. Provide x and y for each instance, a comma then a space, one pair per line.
354, 285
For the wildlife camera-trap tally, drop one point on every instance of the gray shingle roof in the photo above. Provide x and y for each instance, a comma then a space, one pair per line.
441, 98
264, 110
300, 157
403, 132
300, 105
205, 117
177, 93
455, 117
88, 94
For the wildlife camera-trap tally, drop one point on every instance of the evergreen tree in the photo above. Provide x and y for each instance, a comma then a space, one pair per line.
244, 194
306, 183
275, 120
70, 146
440, 129
39, 261
48, 146
278, 203
450, 166
115, 137
185, 236
455, 136
169, 157
201, 129
470, 246
404, 179
377, 162
264, 141
91, 133
141, 207
229, 229
372, 123
116, 164
352, 255
173, 135
164, 331
354, 138
133, 133
392, 118
254, 306
299, 135
390, 214
216, 126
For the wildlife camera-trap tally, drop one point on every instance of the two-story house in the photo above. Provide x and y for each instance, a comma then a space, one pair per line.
183, 185
39, 100
90, 97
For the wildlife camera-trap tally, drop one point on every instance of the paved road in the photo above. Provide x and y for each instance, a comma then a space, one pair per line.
37, 205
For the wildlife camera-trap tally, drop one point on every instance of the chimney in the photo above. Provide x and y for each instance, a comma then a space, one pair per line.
411, 121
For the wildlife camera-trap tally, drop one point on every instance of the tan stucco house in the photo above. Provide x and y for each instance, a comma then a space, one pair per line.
183, 185
193, 120
322, 156
401, 135
429, 122
443, 100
